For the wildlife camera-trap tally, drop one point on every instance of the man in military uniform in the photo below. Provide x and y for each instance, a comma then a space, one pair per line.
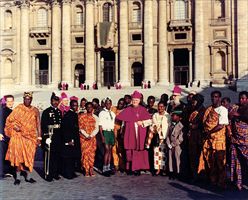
51, 137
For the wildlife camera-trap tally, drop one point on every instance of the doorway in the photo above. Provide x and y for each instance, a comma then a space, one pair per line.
79, 74
138, 73
108, 67
42, 77
181, 66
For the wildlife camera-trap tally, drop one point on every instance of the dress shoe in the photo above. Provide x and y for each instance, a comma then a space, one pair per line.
136, 173
17, 182
57, 177
30, 180
106, 174
49, 179
129, 172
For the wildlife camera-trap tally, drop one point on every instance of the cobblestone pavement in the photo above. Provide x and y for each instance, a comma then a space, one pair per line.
117, 187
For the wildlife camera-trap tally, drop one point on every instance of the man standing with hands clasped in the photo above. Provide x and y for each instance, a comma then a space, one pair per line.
23, 127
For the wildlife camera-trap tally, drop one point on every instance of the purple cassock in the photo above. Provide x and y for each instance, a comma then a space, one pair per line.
134, 137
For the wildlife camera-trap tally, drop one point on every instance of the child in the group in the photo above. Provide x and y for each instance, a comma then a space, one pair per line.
174, 141
107, 123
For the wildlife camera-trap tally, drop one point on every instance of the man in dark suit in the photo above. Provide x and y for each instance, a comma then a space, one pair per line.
71, 150
5, 110
51, 139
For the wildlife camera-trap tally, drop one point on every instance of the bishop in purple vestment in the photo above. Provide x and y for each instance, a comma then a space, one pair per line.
135, 134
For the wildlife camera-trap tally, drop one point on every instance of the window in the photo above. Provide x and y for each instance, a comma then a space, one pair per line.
41, 41
8, 19
107, 12
79, 16
220, 63
136, 12
219, 9
181, 36
136, 37
42, 17
7, 69
180, 10
79, 40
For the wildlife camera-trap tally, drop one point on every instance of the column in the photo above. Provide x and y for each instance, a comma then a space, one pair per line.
123, 33
163, 67
148, 41
242, 35
102, 71
229, 63
98, 67
33, 69
171, 67
18, 45
116, 67
199, 42
190, 66
242, 46
66, 42
25, 73
56, 43
49, 69
37, 75
89, 43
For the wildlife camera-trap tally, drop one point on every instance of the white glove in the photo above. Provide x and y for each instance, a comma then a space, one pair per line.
48, 141
169, 145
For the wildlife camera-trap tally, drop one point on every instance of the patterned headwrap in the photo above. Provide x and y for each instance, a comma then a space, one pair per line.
28, 94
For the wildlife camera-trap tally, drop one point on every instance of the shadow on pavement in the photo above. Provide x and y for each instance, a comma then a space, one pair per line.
215, 193
119, 197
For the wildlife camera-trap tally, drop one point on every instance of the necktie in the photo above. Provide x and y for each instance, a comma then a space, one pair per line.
111, 117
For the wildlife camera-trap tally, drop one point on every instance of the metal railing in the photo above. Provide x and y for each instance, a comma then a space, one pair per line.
77, 27
41, 77
180, 22
42, 29
220, 21
134, 25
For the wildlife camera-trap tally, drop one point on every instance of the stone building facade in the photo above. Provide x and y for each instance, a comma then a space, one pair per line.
162, 41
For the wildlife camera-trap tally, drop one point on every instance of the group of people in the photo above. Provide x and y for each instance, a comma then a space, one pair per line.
174, 138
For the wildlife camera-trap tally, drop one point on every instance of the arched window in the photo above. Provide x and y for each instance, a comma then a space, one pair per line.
219, 9
180, 9
136, 12
107, 12
79, 20
220, 62
7, 19
7, 70
42, 17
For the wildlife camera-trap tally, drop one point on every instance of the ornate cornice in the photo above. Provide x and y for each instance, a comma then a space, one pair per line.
90, 1
22, 3
55, 2
65, 1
